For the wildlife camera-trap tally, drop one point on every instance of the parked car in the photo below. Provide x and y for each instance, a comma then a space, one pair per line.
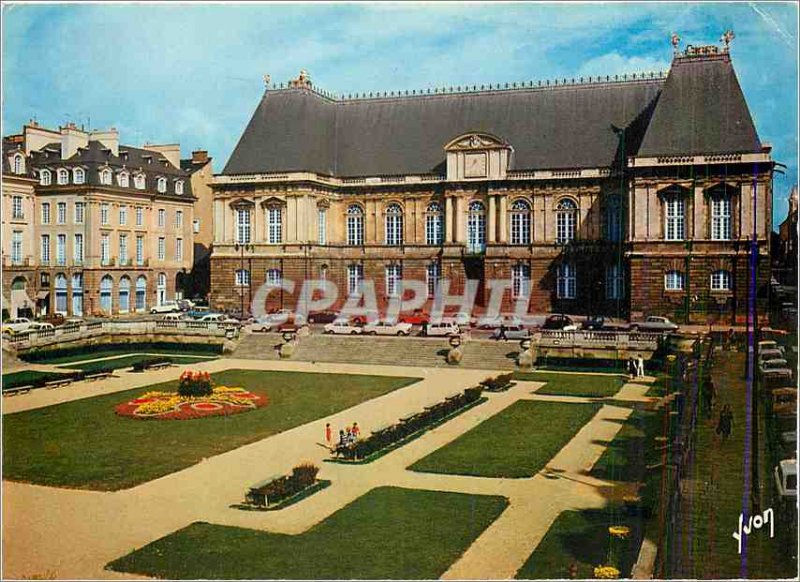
39, 326
54, 318
775, 369
654, 323
343, 326
513, 332
72, 321
173, 317
276, 319
446, 329
594, 323
786, 480
559, 322
493, 321
771, 345
461, 318
185, 304
220, 318
766, 355
326, 316
198, 312
387, 328
166, 307
416, 317
526, 320
16, 325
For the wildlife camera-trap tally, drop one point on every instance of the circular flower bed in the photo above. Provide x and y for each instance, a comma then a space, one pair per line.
222, 401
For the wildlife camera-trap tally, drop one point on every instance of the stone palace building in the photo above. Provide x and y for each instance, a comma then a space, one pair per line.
623, 196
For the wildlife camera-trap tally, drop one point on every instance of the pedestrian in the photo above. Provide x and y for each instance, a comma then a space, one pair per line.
707, 399
356, 431
631, 368
731, 340
640, 366
424, 328
328, 431
502, 334
342, 438
725, 423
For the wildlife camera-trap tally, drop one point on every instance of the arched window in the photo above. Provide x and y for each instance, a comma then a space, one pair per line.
77, 294
274, 224
394, 274
476, 227
61, 294
78, 176
355, 225
673, 281
242, 277
19, 164
721, 217
45, 178
124, 294
433, 275
520, 222
141, 293
615, 281
179, 187
355, 278
139, 182
62, 176
566, 219
434, 224
394, 225
674, 215
521, 280
124, 179
721, 280
161, 185
105, 177
613, 219
566, 281
274, 277
161, 288
106, 288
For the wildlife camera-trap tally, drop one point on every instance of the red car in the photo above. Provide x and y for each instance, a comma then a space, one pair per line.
417, 317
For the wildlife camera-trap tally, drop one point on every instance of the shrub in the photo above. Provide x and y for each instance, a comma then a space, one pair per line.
195, 384
142, 365
304, 475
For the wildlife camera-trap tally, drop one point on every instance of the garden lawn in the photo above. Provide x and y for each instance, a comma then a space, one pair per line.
582, 538
586, 385
517, 442
389, 533
26, 377
79, 354
128, 361
632, 449
84, 444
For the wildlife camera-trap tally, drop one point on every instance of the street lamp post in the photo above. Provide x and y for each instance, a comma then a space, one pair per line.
241, 247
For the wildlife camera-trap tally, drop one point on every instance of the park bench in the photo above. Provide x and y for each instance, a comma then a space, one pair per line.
254, 495
17, 390
453, 396
58, 383
409, 417
98, 376
382, 429
158, 366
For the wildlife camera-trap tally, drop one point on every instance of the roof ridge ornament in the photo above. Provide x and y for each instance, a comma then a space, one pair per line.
676, 44
727, 37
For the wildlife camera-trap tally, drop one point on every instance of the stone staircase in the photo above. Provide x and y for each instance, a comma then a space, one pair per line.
407, 351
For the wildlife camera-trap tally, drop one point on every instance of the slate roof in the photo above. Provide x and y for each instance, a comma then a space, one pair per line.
701, 110
698, 109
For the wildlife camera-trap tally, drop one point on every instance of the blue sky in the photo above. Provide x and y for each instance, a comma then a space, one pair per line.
193, 73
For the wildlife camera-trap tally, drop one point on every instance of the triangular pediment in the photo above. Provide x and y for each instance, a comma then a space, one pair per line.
476, 141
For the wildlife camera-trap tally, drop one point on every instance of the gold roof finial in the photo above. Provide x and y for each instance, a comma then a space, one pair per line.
727, 37
267, 80
676, 42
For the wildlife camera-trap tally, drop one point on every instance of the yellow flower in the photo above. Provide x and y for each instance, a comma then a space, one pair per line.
619, 531
606, 572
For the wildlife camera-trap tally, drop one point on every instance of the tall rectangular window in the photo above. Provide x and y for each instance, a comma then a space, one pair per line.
394, 274
16, 247
675, 217
521, 280
433, 275
16, 207
105, 248
355, 225
140, 250
104, 213
274, 277
45, 212
162, 217
179, 219
45, 249
673, 281
139, 216
243, 226
77, 249
123, 249
615, 282
322, 215
80, 211
61, 249
61, 213
162, 248
123, 215
274, 225
178, 249
434, 224
355, 278
565, 281
721, 218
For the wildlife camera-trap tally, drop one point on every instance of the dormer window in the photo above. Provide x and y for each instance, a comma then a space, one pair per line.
179, 187
162, 185
45, 178
124, 179
78, 176
62, 177
138, 181
105, 177
19, 164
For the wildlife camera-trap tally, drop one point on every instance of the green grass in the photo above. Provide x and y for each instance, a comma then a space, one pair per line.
518, 442
389, 533
574, 384
582, 538
631, 449
78, 354
128, 361
25, 378
84, 444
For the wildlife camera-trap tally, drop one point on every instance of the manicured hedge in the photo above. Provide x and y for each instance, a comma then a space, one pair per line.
47, 354
498, 383
301, 477
142, 365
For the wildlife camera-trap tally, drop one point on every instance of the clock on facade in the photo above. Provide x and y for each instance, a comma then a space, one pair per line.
475, 165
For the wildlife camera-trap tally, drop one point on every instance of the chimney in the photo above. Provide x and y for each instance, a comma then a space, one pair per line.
199, 157
72, 138
109, 138
170, 151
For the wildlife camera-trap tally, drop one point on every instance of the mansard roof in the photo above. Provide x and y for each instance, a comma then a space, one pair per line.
700, 108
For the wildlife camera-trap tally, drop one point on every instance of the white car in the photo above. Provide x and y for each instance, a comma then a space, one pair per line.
166, 307
219, 318
770, 345
493, 322
772, 369
461, 319
272, 321
387, 328
343, 327
513, 332
17, 325
38, 326
769, 354
173, 317
443, 329
654, 323
786, 478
